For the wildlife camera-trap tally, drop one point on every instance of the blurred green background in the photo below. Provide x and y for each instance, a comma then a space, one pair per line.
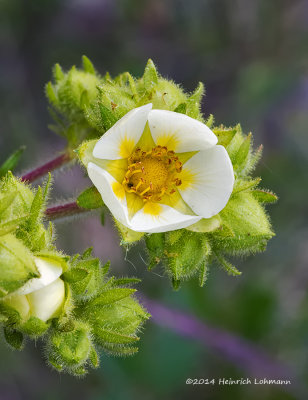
252, 56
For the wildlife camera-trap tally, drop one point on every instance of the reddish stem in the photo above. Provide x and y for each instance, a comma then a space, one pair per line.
63, 210
45, 168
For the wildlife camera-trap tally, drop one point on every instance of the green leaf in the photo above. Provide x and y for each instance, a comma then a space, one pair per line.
14, 338
11, 162
90, 198
150, 76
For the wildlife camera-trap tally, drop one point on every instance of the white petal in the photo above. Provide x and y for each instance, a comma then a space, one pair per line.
168, 219
213, 182
119, 141
49, 270
47, 302
179, 132
104, 183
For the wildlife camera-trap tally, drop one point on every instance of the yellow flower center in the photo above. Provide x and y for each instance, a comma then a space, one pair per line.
151, 174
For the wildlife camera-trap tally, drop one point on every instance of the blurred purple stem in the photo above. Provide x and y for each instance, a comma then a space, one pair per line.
237, 350
63, 210
45, 168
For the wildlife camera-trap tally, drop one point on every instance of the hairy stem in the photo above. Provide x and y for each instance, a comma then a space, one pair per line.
63, 210
45, 168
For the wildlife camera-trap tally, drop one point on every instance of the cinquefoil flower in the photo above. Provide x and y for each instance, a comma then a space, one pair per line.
41, 297
159, 170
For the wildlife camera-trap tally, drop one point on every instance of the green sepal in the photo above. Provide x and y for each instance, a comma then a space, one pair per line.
150, 76
181, 108
34, 327
249, 224
155, 244
14, 253
70, 349
90, 199
87, 65
85, 277
128, 236
241, 157
241, 185
185, 254
110, 296
93, 358
206, 224
224, 135
13, 338
194, 102
11, 162
264, 196
226, 265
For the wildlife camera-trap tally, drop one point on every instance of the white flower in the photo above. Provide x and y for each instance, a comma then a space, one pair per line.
158, 170
41, 297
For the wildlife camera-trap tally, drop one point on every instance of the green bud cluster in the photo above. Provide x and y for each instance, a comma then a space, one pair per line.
69, 94
241, 228
118, 96
84, 105
97, 312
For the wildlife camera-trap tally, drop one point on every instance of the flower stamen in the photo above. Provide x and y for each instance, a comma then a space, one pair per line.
151, 174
